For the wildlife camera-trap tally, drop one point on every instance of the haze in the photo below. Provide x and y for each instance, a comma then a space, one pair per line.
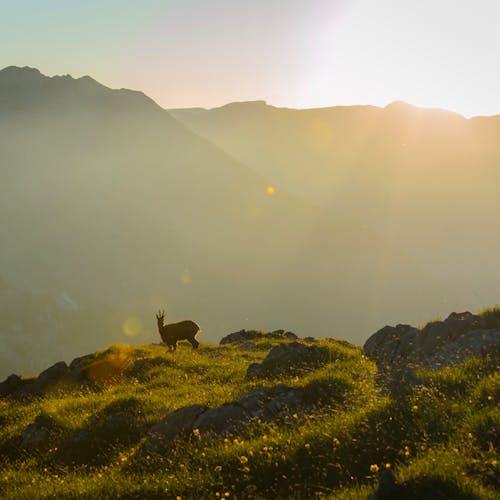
231, 187
433, 53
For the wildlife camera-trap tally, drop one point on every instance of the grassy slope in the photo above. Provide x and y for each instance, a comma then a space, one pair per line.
439, 437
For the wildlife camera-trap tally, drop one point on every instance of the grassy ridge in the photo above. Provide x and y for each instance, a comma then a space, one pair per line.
439, 437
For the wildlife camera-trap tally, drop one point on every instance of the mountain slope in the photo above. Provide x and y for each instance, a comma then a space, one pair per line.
107, 197
426, 179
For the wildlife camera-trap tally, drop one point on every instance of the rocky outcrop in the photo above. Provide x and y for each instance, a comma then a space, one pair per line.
399, 350
59, 373
179, 424
100, 433
289, 358
264, 404
10, 385
247, 335
37, 434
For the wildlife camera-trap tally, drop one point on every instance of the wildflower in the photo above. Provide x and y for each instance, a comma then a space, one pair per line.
307, 445
469, 435
218, 468
388, 465
490, 398
407, 451
336, 442
243, 459
414, 407
227, 494
374, 468
196, 432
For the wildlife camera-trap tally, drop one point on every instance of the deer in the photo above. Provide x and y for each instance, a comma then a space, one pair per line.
172, 332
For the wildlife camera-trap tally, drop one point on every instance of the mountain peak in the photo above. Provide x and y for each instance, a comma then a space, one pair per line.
17, 72
25, 87
245, 104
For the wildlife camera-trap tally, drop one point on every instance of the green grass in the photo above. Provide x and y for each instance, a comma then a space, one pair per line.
491, 315
440, 438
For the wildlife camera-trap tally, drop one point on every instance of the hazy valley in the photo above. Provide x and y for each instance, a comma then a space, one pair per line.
110, 201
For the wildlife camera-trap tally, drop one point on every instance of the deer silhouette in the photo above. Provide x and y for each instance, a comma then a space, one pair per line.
171, 333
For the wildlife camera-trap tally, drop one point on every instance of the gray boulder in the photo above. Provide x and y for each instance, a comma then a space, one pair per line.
230, 418
38, 433
10, 385
179, 424
289, 358
49, 377
246, 335
399, 350
269, 404
475, 343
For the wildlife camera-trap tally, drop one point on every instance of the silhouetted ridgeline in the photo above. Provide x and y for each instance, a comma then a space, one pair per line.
107, 198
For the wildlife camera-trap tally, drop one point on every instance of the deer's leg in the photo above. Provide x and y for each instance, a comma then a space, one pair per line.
194, 343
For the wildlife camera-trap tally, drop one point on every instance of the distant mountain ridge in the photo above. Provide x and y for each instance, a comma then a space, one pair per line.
26, 87
107, 197
426, 178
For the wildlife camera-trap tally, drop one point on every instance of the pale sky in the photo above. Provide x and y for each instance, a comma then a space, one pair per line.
295, 53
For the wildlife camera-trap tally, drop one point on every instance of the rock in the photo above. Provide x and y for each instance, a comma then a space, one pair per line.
384, 343
246, 335
289, 358
268, 404
141, 367
475, 343
37, 433
230, 418
248, 346
79, 363
399, 350
179, 424
33, 436
386, 487
100, 433
49, 377
28, 389
9, 386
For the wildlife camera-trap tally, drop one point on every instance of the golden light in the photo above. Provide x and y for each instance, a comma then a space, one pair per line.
186, 278
132, 326
270, 190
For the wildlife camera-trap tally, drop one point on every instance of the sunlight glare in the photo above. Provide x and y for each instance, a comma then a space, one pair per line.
132, 326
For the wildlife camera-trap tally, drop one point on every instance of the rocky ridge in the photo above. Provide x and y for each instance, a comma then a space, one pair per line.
399, 350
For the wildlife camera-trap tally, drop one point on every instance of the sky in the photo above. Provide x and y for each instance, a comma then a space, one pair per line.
292, 53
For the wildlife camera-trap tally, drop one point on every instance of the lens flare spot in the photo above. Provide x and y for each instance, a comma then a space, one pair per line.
132, 326
270, 189
186, 278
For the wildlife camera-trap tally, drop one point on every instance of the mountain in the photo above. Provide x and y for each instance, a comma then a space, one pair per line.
37, 330
426, 179
107, 198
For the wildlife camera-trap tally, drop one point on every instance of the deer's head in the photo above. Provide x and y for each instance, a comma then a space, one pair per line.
160, 317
